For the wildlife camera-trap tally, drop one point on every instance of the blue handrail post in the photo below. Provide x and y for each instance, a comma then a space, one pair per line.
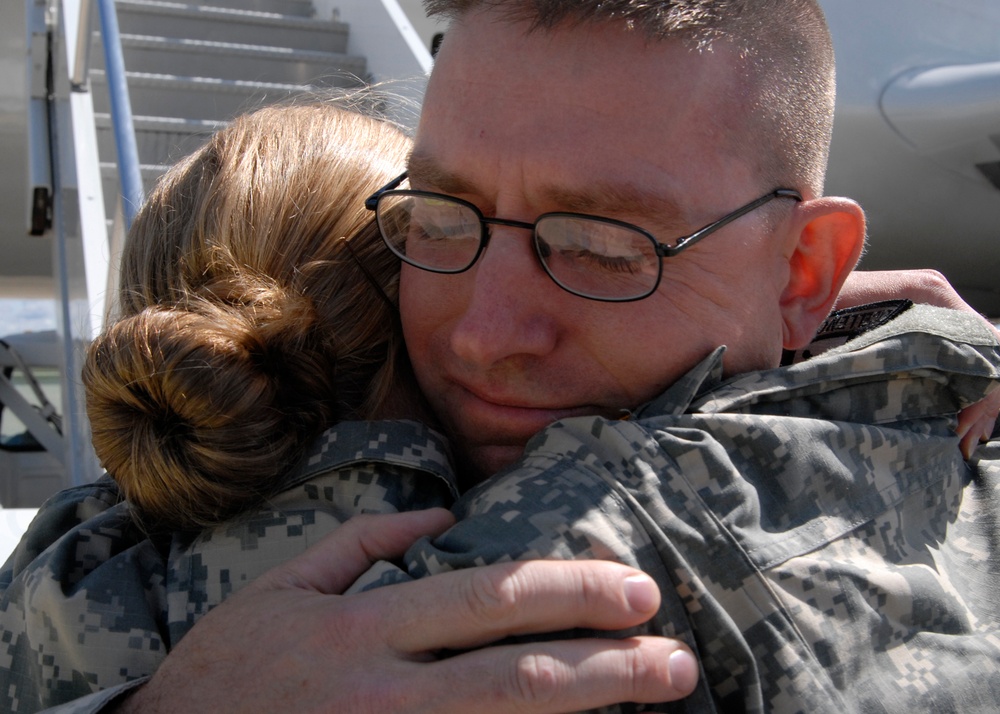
121, 113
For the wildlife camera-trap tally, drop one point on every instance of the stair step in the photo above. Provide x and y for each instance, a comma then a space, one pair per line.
166, 124
167, 95
149, 172
158, 139
225, 24
303, 8
227, 60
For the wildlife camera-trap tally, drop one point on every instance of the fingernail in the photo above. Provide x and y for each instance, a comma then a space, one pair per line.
683, 670
641, 593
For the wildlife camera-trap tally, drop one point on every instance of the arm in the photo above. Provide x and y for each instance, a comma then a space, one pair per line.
571, 498
290, 637
78, 603
975, 423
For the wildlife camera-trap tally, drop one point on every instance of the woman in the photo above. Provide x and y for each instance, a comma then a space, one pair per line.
247, 323
256, 309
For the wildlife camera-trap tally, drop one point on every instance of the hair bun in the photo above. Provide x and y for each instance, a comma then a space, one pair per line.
187, 403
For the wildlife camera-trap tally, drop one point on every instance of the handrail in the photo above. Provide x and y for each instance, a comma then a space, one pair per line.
121, 112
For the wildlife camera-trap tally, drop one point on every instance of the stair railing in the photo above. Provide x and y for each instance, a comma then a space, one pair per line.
129, 173
67, 138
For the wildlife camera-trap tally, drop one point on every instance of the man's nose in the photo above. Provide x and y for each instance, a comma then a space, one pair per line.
510, 303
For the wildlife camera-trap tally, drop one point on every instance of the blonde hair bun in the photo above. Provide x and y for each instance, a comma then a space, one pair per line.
212, 385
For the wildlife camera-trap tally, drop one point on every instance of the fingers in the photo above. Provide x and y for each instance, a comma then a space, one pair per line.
561, 676
977, 422
468, 608
333, 564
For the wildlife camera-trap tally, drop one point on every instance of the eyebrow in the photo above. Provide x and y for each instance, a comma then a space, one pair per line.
649, 208
424, 169
601, 198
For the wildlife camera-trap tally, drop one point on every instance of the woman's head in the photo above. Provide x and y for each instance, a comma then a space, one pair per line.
245, 325
272, 191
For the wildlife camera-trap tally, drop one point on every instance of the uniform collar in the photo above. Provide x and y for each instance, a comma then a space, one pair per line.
404, 443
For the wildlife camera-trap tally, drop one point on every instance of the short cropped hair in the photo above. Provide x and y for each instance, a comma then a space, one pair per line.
787, 63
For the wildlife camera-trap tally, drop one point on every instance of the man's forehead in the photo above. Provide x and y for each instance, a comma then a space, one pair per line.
626, 74
560, 116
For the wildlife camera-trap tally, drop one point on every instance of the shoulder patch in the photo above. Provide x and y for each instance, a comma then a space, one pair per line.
846, 324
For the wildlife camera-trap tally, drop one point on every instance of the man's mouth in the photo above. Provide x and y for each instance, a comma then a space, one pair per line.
510, 420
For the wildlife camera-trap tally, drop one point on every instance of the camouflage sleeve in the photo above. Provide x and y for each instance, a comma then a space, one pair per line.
862, 575
565, 503
81, 604
816, 536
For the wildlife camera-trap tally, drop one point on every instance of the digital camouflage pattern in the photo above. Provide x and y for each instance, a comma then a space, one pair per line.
91, 606
819, 540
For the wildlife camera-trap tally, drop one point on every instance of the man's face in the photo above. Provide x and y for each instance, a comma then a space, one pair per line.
591, 120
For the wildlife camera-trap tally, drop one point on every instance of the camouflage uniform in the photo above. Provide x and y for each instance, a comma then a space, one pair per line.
91, 606
821, 543
819, 540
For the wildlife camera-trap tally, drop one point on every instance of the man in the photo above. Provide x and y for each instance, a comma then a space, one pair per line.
792, 514
520, 120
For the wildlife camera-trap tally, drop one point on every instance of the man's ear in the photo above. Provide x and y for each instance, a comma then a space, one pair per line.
830, 237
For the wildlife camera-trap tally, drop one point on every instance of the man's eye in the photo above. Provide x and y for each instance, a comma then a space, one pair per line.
609, 263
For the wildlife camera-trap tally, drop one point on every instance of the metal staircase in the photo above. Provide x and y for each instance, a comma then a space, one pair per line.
191, 67
119, 90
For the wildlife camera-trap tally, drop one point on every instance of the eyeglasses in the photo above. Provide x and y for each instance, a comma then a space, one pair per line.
593, 257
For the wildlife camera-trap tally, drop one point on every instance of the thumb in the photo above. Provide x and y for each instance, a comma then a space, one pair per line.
334, 563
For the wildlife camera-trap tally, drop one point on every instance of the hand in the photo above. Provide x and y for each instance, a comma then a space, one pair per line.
290, 642
927, 287
977, 422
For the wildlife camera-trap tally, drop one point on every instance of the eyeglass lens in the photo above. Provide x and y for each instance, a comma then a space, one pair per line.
588, 256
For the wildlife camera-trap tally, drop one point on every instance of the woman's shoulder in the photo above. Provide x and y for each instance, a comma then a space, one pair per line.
60, 515
400, 443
